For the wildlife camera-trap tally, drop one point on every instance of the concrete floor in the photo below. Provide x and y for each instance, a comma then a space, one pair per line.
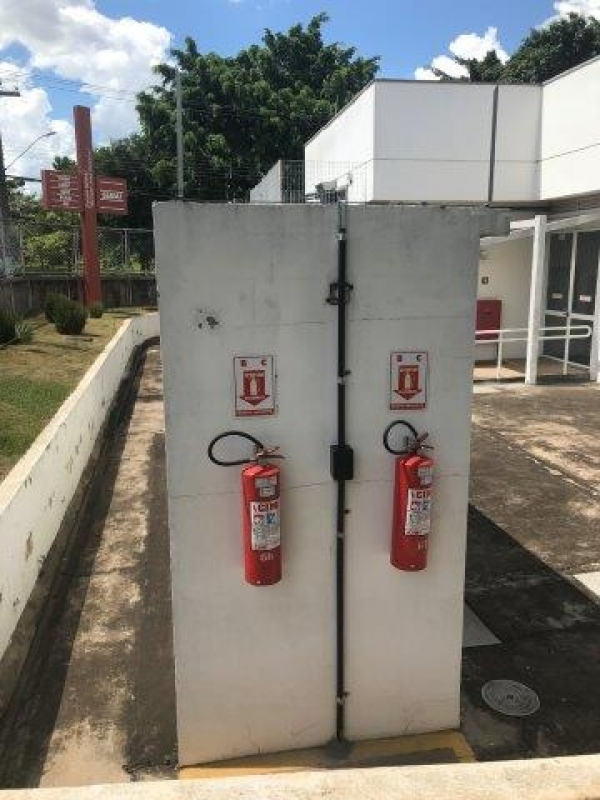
534, 525
98, 705
513, 369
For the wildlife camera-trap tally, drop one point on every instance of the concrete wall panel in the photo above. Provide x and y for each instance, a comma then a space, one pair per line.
256, 667
570, 147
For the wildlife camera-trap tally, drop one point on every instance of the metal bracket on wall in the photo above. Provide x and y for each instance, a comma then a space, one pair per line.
333, 297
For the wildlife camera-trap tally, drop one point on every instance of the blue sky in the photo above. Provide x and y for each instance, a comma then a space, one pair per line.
101, 52
406, 33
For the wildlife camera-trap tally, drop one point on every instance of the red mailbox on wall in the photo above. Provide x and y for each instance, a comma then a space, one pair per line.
489, 318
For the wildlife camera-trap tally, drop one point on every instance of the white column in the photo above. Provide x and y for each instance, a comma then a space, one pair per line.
595, 356
536, 293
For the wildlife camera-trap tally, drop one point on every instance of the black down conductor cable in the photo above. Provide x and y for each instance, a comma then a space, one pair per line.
341, 462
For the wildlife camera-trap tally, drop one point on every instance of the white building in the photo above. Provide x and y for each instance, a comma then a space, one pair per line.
534, 149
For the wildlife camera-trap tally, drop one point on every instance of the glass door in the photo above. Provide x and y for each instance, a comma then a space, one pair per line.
583, 301
571, 296
557, 293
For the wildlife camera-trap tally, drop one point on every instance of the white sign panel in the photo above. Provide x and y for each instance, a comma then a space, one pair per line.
254, 386
408, 380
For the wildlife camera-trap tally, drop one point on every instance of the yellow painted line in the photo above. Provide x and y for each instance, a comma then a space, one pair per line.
361, 754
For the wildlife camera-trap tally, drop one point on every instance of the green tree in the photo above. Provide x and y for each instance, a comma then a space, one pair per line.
548, 51
543, 54
245, 112
241, 114
47, 235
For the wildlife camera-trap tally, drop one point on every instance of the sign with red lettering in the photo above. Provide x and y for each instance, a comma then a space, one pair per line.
254, 386
111, 195
61, 191
408, 380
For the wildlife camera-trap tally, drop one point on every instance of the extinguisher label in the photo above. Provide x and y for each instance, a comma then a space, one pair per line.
265, 529
418, 512
266, 487
425, 475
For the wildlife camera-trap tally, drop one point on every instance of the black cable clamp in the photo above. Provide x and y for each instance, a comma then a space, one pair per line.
413, 445
335, 296
260, 451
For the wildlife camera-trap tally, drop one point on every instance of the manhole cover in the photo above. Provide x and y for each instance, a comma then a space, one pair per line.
510, 698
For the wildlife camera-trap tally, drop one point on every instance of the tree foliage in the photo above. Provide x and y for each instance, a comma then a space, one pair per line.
243, 113
543, 54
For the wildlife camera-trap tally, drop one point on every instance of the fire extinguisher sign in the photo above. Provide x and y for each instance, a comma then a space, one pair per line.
408, 379
254, 386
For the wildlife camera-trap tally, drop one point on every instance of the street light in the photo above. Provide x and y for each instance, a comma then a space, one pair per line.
29, 146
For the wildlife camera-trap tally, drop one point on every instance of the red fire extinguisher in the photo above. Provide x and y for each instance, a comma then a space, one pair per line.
413, 478
261, 524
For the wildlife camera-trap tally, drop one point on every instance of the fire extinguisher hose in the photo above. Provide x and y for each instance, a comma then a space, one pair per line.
411, 447
259, 449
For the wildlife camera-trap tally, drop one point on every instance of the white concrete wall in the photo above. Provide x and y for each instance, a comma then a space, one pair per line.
345, 145
518, 132
36, 493
269, 188
507, 267
255, 667
432, 141
414, 272
570, 148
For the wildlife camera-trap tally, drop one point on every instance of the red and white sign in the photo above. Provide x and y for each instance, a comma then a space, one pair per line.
408, 380
111, 195
254, 381
61, 191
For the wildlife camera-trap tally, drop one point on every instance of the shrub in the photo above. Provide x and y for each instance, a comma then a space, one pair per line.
96, 310
70, 318
8, 324
53, 301
23, 332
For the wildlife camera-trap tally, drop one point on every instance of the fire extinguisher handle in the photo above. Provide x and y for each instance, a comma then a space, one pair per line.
386, 437
260, 448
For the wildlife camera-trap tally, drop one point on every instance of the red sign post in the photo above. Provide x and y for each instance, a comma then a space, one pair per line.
89, 222
90, 196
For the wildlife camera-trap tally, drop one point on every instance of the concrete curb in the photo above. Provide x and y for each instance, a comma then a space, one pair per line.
569, 778
35, 495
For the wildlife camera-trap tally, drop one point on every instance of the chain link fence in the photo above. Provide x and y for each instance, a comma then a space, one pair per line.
27, 248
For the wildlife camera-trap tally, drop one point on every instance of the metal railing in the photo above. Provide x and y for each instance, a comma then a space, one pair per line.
501, 338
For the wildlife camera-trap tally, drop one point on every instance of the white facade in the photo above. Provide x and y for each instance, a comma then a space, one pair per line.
255, 667
570, 142
453, 142
413, 142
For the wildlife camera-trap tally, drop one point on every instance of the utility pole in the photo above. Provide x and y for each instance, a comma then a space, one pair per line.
5, 248
179, 131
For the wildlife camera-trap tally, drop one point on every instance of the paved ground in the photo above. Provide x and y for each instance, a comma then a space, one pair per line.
535, 524
98, 705
536, 469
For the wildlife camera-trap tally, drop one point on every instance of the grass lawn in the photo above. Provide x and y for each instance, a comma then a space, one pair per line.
35, 378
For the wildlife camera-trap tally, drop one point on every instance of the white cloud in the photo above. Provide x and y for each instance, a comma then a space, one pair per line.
466, 45
589, 8
471, 45
24, 119
74, 41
